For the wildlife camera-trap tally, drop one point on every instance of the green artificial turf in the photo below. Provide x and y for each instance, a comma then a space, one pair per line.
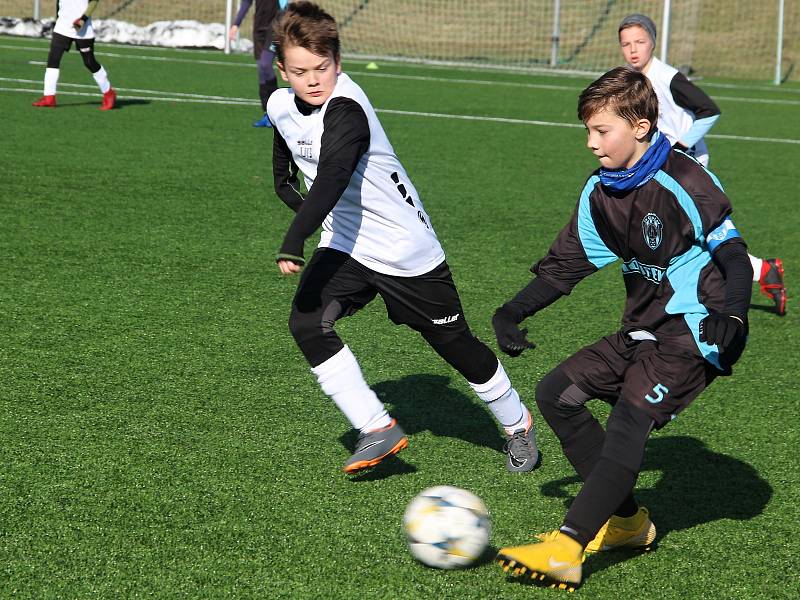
162, 436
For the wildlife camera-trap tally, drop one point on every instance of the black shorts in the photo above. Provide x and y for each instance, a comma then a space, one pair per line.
661, 378
426, 303
64, 43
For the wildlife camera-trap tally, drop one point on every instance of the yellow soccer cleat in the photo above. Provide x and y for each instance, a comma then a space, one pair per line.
555, 562
637, 531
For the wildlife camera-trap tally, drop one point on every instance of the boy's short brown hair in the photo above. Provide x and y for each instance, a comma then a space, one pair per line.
306, 25
623, 91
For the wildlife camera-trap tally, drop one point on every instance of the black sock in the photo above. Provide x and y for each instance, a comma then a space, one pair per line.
628, 508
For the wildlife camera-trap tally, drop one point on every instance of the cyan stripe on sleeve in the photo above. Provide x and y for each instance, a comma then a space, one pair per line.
595, 248
698, 130
726, 231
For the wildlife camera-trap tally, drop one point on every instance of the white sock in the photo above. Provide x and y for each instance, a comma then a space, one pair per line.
757, 263
340, 378
101, 77
503, 400
50, 81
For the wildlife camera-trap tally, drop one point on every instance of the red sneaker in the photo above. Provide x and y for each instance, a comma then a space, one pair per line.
49, 101
109, 100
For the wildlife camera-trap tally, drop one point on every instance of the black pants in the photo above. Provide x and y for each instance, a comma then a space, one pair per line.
334, 285
647, 383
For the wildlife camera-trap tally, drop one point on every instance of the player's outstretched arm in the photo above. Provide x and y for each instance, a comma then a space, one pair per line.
728, 328
690, 97
537, 295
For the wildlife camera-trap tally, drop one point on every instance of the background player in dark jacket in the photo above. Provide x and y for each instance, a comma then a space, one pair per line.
687, 278
263, 20
376, 239
685, 116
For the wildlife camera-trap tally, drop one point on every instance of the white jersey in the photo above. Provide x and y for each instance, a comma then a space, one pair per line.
673, 120
379, 219
68, 11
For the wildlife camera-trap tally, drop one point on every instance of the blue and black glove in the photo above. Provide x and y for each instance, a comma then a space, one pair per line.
510, 338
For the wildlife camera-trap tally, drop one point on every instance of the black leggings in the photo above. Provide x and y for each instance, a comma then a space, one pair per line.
61, 44
607, 461
317, 339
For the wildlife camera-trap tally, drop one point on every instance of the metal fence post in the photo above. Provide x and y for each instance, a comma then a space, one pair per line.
556, 33
228, 20
779, 50
665, 31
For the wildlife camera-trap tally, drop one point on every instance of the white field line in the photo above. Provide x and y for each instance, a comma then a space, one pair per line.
128, 97
140, 91
517, 84
198, 99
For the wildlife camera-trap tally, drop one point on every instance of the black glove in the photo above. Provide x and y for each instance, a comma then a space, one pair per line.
78, 23
510, 337
723, 329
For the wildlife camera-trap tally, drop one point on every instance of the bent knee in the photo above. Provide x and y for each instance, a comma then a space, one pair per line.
557, 390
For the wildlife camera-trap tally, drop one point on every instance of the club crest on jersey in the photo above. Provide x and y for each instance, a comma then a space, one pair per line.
305, 148
652, 229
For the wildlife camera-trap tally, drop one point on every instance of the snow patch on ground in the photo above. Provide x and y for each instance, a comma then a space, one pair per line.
172, 34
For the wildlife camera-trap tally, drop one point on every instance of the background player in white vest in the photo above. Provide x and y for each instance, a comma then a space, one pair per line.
685, 115
376, 239
74, 24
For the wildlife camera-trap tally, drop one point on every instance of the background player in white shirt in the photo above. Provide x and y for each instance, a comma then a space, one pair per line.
74, 24
376, 239
685, 115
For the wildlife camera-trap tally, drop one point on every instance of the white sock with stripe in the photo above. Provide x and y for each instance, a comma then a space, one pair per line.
101, 77
503, 400
50, 81
340, 378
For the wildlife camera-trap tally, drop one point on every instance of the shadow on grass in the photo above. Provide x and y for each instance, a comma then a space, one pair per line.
391, 465
428, 403
770, 308
697, 486
126, 102
120, 104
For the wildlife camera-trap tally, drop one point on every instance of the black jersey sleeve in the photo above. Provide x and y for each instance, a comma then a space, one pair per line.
284, 172
735, 265
345, 139
687, 95
566, 262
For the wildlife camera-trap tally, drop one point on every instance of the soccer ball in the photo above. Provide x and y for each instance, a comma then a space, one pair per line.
447, 527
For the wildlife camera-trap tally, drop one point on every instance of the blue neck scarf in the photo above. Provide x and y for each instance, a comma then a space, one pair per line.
622, 180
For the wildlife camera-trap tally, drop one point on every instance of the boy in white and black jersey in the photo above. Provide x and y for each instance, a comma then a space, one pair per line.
376, 239
74, 24
685, 116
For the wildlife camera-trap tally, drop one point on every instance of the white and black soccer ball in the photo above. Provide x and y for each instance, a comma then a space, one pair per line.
447, 527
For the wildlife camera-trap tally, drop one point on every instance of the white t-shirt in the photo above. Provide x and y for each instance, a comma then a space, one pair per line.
373, 221
673, 120
68, 11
